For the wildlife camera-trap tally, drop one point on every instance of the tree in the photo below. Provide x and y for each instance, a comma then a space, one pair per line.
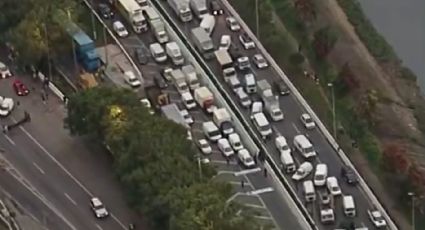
324, 40
396, 158
346, 80
367, 106
296, 59
306, 9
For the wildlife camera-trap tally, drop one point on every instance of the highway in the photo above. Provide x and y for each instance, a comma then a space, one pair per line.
290, 127
270, 204
58, 169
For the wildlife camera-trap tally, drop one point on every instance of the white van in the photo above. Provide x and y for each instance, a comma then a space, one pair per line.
320, 174
281, 144
262, 124
327, 215
131, 79
158, 53
235, 141
349, 206
309, 191
174, 52
188, 100
303, 145
208, 23
234, 83
225, 148
250, 83
243, 98
287, 161
211, 131
245, 158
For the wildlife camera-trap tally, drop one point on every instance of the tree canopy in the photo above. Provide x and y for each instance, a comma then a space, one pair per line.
156, 163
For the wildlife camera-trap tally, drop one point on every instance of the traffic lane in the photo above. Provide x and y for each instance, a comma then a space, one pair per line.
29, 203
22, 160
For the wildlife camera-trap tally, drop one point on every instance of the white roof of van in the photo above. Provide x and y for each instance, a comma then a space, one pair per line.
261, 119
302, 140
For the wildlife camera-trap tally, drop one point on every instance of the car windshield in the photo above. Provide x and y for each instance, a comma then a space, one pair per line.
265, 128
98, 205
215, 133
120, 29
186, 116
308, 120
204, 145
309, 150
260, 59
285, 147
227, 149
132, 79
4, 107
300, 172
3, 68
335, 188
249, 160
237, 144
320, 177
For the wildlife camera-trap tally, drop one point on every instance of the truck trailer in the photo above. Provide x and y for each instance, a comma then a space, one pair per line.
226, 64
179, 80
271, 102
133, 14
199, 7
223, 120
156, 24
204, 98
182, 9
203, 42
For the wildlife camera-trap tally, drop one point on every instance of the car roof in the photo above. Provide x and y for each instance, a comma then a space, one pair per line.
223, 141
96, 201
118, 23
306, 115
2, 64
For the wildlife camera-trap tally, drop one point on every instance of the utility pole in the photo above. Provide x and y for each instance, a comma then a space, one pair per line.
93, 24
331, 86
413, 196
257, 20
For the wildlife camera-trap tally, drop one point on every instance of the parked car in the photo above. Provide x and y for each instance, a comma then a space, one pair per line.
232, 24
333, 186
120, 29
376, 217
307, 121
246, 41
204, 146
186, 116
225, 42
4, 71
141, 56
303, 171
325, 198
215, 8
348, 174
259, 61
159, 81
281, 87
20, 88
105, 11
98, 208
6, 106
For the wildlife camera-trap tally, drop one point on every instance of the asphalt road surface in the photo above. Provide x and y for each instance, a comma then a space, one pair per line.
60, 169
270, 204
290, 127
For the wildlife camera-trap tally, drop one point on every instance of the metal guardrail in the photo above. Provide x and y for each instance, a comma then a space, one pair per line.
139, 73
321, 126
309, 222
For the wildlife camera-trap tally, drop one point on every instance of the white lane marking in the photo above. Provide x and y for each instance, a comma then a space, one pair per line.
70, 199
38, 167
224, 162
263, 217
296, 128
98, 226
66, 171
260, 191
239, 183
255, 206
9, 139
247, 171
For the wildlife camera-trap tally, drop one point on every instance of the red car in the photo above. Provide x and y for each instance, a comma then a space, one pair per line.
20, 88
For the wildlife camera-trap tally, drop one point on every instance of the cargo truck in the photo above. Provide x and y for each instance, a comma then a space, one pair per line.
133, 13
205, 99
191, 76
182, 9
199, 7
203, 42
223, 120
156, 24
179, 81
271, 102
226, 64
208, 23
85, 49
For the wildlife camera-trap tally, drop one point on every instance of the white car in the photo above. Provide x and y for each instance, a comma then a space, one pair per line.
147, 104
98, 208
204, 146
225, 148
225, 42
377, 219
303, 171
120, 29
131, 79
246, 41
189, 135
333, 187
4, 71
6, 106
307, 121
260, 61
187, 117
232, 24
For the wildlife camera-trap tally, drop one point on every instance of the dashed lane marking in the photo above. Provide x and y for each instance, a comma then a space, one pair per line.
70, 199
38, 167
9, 139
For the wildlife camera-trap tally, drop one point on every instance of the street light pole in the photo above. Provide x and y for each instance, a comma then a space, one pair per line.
330, 85
412, 196
48, 50
257, 21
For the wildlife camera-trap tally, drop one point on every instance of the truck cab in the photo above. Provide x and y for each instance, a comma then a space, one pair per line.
223, 120
179, 81
199, 7
191, 76
174, 52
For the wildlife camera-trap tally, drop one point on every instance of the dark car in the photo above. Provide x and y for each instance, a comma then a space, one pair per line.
105, 11
281, 88
159, 81
234, 52
141, 56
216, 8
349, 175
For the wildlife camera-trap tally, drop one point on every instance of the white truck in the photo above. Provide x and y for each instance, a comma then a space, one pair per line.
191, 76
133, 13
182, 9
208, 23
174, 52
205, 99
223, 120
203, 42
179, 81
226, 64
271, 102
199, 7
156, 24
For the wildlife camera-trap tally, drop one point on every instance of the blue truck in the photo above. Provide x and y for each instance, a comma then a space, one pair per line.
85, 48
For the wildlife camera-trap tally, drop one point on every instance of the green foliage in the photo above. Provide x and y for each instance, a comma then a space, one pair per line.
375, 43
296, 59
155, 163
324, 40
